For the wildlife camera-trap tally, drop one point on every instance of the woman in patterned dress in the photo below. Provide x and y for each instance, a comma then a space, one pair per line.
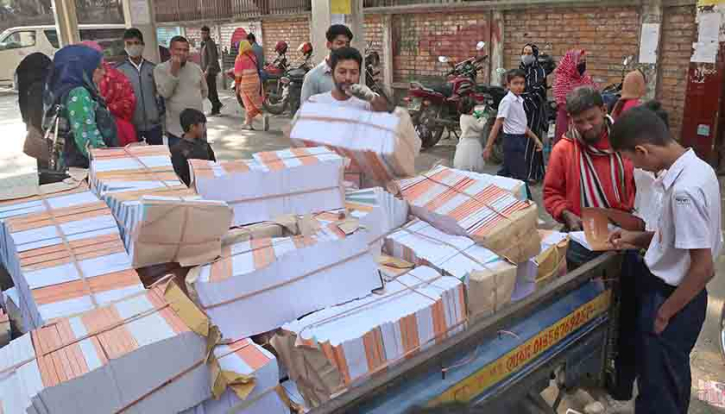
248, 82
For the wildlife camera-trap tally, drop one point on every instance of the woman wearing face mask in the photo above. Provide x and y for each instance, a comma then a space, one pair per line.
73, 84
570, 74
535, 107
117, 91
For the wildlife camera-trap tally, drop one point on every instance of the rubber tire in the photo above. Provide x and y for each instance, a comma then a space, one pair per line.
431, 133
722, 331
275, 109
239, 99
497, 153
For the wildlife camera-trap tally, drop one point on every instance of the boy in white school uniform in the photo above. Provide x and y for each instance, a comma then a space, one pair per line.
512, 117
671, 283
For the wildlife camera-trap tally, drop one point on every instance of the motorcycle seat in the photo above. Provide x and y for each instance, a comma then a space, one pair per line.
445, 89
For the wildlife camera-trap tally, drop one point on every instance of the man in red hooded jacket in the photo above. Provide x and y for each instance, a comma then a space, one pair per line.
584, 171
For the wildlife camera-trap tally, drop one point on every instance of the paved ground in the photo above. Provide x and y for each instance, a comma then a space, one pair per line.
230, 142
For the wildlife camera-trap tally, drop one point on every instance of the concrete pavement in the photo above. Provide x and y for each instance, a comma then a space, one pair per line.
230, 142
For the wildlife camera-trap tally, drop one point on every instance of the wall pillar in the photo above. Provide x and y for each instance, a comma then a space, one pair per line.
387, 54
324, 15
141, 15
496, 57
66, 22
649, 44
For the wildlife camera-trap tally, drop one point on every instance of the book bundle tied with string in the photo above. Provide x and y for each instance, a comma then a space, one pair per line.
273, 184
64, 254
380, 146
145, 353
474, 206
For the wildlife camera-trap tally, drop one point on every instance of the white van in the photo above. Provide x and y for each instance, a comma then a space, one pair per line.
18, 42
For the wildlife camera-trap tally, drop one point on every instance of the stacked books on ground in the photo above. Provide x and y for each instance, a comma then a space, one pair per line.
334, 347
474, 206
144, 354
273, 184
136, 167
252, 375
381, 146
489, 279
260, 284
63, 252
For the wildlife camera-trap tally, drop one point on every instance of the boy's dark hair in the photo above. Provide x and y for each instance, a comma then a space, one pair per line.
191, 117
338, 30
638, 126
177, 39
466, 106
133, 33
515, 73
205, 29
582, 99
656, 107
252, 38
345, 53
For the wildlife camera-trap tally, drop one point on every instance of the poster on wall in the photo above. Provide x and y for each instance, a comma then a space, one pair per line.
340, 6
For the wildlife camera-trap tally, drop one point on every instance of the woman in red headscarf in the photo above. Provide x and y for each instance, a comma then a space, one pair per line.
117, 91
570, 74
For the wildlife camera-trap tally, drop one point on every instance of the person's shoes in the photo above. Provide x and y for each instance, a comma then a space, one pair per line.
247, 127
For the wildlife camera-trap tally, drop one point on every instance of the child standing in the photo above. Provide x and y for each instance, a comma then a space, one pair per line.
512, 116
192, 145
671, 283
469, 148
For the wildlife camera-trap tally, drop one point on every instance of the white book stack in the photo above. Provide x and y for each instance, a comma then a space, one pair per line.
144, 354
380, 145
478, 208
136, 167
64, 255
254, 374
294, 181
165, 226
546, 266
258, 285
351, 341
489, 279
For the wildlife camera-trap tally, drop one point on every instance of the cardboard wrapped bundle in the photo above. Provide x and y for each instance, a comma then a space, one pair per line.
258, 285
295, 181
63, 252
546, 266
282, 226
135, 167
170, 226
464, 206
144, 354
253, 377
381, 146
327, 351
489, 279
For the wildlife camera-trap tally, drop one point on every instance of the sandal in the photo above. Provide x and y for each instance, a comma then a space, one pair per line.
247, 127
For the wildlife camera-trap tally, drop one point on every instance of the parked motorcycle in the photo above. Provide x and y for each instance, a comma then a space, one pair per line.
435, 109
293, 79
488, 97
273, 87
372, 63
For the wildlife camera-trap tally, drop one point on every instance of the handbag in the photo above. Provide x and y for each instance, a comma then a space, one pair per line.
35, 145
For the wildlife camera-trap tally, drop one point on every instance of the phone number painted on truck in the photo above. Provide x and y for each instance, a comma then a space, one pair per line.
517, 358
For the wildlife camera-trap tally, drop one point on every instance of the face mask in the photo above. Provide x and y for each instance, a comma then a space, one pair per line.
582, 67
527, 59
134, 50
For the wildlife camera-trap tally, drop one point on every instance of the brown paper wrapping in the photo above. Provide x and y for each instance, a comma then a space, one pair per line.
316, 377
490, 289
551, 263
515, 237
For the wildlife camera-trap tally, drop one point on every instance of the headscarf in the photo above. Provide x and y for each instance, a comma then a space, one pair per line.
246, 59
535, 74
634, 85
32, 73
568, 77
73, 67
245, 47
33, 68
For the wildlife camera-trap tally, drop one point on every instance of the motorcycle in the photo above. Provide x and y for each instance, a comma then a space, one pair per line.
372, 62
293, 79
274, 88
435, 109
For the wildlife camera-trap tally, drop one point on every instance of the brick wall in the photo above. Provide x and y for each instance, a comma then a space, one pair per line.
679, 31
607, 34
293, 31
418, 40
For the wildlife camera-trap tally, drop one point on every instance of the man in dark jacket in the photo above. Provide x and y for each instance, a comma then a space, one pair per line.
147, 116
211, 68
